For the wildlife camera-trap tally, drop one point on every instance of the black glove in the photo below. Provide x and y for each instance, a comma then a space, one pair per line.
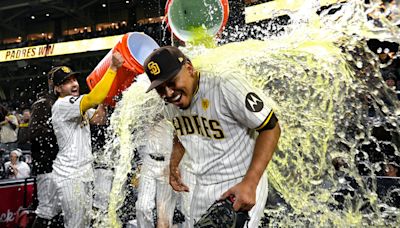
221, 215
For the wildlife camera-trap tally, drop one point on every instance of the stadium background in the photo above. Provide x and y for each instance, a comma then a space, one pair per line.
46, 22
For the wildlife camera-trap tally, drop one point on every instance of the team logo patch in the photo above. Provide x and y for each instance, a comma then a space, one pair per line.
254, 102
73, 99
66, 70
153, 68
204, 104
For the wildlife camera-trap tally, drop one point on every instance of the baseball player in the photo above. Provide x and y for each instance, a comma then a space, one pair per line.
213, 119
72, 168
44, 149
154, 189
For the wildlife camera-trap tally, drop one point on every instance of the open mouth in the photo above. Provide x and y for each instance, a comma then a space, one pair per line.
175, 99
74, 91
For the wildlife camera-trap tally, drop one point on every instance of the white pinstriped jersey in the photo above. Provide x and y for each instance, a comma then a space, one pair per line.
216, 129
159, 140
72, 130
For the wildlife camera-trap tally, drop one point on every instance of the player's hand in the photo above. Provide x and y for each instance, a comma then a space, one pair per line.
116, 61
175, 180
244, 196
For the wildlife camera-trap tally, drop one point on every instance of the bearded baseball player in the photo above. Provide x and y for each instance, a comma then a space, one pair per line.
213, 117
72, 173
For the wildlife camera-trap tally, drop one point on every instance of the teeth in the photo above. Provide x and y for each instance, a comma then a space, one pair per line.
176, 98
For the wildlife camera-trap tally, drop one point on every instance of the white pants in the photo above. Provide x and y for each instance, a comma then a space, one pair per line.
102, 187
155, 192
205, 195
71, 196
44, 209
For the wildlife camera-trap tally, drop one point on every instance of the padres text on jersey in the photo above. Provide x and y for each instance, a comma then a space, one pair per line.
195, 124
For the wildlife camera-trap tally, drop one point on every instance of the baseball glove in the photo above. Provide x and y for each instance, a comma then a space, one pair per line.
221, 215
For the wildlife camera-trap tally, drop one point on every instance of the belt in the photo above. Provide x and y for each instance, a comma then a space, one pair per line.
157, 158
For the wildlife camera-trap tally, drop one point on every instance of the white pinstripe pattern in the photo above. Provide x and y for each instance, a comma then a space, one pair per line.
45, 208
74, 159
186, 197
71, 196
154, 189
218, 108
215, 160
72, 169
76, 201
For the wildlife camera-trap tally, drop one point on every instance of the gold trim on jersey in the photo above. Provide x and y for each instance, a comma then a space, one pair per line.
85, 120
265, 121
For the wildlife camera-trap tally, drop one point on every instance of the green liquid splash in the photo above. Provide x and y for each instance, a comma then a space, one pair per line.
323, 83
200, 37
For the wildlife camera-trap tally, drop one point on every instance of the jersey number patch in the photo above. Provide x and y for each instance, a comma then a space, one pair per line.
73, 99
254, 103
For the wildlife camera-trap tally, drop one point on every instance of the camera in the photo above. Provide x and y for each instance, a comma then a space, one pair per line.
10, 170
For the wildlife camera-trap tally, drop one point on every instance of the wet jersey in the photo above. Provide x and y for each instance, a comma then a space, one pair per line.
72, 131
159, 140
217, 129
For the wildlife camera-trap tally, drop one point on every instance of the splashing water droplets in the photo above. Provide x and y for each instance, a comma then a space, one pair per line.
327, 92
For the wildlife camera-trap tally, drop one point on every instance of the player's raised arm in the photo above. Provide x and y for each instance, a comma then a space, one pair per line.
175, 178
100, 91
100, 116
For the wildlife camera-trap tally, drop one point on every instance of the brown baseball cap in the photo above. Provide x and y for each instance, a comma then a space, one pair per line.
163, 64
60, 74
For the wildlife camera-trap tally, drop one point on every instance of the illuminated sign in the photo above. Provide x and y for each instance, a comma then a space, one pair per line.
63, 48
278, 8
27, 53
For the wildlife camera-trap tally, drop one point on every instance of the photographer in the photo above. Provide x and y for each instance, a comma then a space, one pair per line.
15, 168
8, 129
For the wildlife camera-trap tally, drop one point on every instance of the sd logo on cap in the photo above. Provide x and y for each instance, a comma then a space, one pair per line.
163, 64
154, 68
60, 74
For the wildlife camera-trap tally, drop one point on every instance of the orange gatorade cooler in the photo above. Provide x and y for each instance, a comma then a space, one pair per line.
134, 47
186, 19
